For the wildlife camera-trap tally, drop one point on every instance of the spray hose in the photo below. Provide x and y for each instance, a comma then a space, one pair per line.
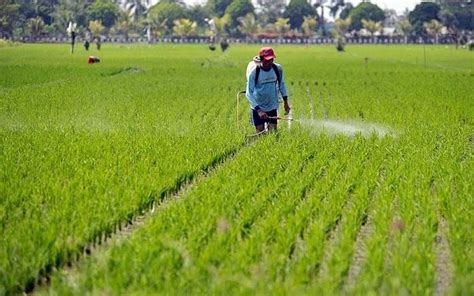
238, 104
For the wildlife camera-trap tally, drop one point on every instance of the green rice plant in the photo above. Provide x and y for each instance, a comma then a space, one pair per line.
86, 148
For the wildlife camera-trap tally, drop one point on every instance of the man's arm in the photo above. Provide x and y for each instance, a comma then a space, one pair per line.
283, 91
250, 90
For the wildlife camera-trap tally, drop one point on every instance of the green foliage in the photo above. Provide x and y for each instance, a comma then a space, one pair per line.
237, 9
248, 25
70, 11
297, 10
9, 15
220, 25
218, 7
96, 28
270, 10
184, 27
104, 11
367, 11
345, 12
457, 15
136, 9
35, 26
282, 26
198, 14
309, 26
342, 25
423, 12
166, 12
371, 26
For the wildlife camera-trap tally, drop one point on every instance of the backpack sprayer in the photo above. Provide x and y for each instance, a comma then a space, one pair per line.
256, 64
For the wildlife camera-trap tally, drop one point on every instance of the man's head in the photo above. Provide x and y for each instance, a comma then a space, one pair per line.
266, 56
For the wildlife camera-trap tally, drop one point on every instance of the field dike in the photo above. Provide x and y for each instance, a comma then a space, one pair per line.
125, 70
444, 266
125, 228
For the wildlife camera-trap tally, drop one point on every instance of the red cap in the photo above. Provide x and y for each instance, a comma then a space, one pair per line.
267, 53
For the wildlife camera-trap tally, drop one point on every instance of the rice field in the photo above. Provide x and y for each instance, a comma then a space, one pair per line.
135, 176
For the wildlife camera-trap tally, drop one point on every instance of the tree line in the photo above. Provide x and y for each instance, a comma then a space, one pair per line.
230, 18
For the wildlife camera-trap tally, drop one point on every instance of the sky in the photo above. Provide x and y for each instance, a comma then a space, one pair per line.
398, 5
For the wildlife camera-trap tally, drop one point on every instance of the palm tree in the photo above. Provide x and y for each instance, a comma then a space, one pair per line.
218, 25
282, 26
35, 26
136, 8
317, 4
340, 32
404, 26
124, 24
371, 26
451, 22
338, 5
155, 27
434, 28
248, 25
342, 25
96, 28
184, 27
309, 25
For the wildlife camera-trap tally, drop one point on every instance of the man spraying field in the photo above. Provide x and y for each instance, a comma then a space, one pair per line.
264, 81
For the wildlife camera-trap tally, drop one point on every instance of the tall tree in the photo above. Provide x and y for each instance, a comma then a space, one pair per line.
423, 12
104, 11
198, 14
457, 16
342, 25
433, 28
322, 21
334, 6
35, 26
282, 26
184, 27
166, 12
124, 24
136, 8
346, 10
309, 25
96, 28
404, 27
9, 16
41, 8
372, 26
367, 11
238, 8
248, 25
270, 10
338, 6
218, 7
68, 10
220, 24
296, 10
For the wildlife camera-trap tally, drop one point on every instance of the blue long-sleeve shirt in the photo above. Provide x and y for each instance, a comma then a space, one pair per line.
264, 95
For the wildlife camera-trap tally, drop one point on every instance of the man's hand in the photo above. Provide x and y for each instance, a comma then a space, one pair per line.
287, 107
262, 114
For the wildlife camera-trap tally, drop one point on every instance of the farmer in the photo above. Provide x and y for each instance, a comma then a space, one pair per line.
264, 82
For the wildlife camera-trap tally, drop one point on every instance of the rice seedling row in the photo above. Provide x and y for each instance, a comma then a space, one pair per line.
87, 149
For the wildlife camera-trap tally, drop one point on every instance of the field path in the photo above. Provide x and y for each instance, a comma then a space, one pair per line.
444, 268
